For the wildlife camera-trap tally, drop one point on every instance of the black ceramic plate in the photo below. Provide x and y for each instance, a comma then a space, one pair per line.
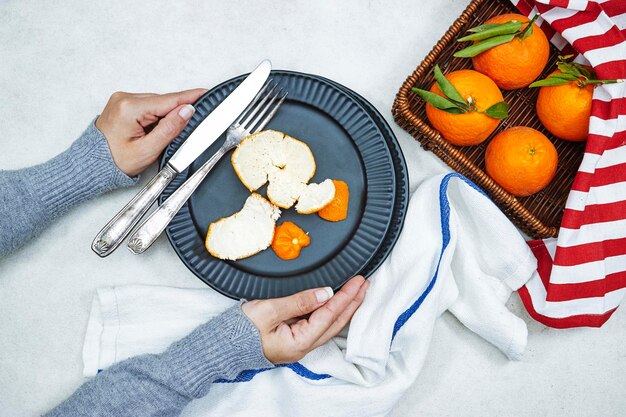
402, 183
347, 143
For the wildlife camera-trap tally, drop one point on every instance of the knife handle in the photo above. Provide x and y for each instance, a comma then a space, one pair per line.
153, 226
120, 226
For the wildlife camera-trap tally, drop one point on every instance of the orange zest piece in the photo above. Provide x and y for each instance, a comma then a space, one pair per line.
289, 240
337, 209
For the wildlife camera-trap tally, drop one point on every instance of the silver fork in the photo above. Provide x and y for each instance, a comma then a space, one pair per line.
258, 113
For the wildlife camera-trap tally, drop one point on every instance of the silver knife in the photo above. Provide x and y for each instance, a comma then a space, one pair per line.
200, 139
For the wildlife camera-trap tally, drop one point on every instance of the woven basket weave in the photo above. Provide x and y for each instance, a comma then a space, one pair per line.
538, 215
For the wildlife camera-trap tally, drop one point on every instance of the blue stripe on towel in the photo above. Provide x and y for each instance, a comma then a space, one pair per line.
302, 370
444, 209
444, 206
297, 367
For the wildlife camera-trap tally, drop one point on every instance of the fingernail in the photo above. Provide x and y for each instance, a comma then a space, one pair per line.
323, 294
186, 112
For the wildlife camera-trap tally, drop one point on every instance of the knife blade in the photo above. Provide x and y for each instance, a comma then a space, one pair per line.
221, 118
207, 132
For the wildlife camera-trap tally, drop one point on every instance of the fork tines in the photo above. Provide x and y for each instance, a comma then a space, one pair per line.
262, 108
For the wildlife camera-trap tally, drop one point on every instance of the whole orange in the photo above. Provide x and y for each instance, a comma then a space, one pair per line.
472, 127
521, 160
565, 110
517, 63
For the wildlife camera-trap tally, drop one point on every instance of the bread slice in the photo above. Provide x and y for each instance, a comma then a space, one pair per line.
285, 162
245, 233
315, 197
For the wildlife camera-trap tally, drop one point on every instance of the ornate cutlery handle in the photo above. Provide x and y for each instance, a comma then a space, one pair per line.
153, 226
118, 228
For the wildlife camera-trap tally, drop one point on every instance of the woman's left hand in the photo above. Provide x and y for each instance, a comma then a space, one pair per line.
286, 335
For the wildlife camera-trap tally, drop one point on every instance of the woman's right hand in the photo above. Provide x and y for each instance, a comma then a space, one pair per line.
139, 126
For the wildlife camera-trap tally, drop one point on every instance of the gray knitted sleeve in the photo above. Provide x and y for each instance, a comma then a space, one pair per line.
31, 198
147, 385
162, 385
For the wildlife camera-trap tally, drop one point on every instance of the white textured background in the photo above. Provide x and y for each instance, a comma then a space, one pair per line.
60, 61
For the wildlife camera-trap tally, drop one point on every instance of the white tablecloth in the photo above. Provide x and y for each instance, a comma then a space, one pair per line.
59, 63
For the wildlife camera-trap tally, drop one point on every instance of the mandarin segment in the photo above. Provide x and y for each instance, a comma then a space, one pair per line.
521, 160
337, 209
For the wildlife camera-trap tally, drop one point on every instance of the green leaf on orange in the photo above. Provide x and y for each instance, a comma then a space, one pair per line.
528, 30
438, 102
484, 27
498, 110
567, 68
448, 89
575, 71
549, 82
569, 77
498, 29
585, 72
482, 46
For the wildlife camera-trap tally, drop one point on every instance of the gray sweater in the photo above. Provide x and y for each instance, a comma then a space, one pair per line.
146, 385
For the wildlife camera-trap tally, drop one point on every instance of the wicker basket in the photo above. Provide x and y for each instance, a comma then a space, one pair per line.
538, 215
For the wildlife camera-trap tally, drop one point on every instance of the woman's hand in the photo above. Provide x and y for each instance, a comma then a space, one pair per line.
287, 336
139, 126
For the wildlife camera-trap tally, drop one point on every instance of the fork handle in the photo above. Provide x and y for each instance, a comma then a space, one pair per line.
111, 235
153, 226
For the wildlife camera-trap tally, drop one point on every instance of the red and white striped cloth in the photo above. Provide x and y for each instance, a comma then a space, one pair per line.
581, 275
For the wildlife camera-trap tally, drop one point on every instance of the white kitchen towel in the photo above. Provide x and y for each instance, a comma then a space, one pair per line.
456, 252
